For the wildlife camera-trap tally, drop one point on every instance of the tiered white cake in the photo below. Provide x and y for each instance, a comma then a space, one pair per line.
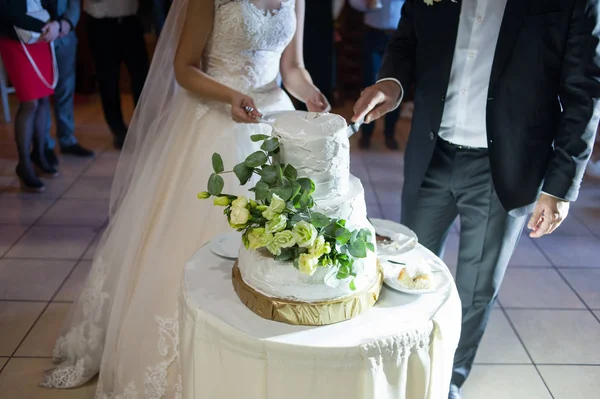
317, 146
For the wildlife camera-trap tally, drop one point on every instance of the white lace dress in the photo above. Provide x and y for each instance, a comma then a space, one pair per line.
125, 324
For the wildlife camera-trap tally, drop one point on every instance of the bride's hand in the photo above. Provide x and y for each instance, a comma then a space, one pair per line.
243, 109
317, 102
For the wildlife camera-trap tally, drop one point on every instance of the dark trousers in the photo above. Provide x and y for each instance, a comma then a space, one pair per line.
374, 45
319, 45
459, 183
160, 11
112, 41
63, 98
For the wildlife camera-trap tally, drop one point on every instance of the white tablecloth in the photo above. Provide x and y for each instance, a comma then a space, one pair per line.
401, 349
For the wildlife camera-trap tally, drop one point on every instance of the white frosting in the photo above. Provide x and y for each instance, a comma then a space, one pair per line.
317, 146
282, 280
351, 206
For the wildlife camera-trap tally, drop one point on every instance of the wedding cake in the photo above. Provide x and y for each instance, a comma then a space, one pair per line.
318, 147
308, 252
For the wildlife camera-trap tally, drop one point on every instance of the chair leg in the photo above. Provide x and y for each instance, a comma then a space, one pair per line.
4, 91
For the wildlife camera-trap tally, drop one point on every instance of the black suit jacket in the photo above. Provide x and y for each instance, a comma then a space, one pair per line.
542, 110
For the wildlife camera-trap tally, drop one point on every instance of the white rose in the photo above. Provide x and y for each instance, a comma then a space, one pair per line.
239, 217
307, 264
305, 233
240, 202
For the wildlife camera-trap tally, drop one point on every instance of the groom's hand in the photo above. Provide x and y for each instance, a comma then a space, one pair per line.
549, 213
376, 101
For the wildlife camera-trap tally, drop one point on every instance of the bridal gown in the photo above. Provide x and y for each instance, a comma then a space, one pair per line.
125, 324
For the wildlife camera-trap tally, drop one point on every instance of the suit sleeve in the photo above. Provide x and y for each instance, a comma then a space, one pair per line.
12, 14
399, 58
73, 12
579, 93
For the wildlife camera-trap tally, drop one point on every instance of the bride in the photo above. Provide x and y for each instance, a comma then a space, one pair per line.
216, 66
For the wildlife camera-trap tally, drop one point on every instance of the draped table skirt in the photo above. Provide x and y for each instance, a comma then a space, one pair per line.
403, 348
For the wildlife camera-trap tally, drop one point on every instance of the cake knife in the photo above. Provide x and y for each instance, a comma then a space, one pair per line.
354, 127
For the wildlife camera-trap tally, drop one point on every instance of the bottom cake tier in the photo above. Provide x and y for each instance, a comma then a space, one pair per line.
307, 313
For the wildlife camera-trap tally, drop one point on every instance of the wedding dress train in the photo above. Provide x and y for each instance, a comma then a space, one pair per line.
125, 324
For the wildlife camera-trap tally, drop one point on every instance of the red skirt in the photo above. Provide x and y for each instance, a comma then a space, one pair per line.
28, 86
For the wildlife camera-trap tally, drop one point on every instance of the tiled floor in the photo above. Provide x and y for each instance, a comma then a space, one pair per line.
542, 341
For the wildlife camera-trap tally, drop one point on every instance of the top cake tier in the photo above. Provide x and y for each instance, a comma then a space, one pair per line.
317, 146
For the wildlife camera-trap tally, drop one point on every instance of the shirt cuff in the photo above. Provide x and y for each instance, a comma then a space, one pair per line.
401, 89
554, 196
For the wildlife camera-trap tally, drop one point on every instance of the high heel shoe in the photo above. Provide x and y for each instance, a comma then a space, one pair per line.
42, 166
29, 181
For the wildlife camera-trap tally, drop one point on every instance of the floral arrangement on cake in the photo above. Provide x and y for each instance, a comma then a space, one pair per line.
280, 219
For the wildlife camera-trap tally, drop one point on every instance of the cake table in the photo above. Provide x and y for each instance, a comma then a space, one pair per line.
403, 348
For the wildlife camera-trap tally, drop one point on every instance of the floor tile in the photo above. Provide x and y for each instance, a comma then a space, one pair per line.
590, 217
389, 193
537, 288
16, 211
21, 378
587, 284
500, 343
572, 226
15, 320
29, 279
370, 195
104, 166
6, 181
558, 336
77, 212
527, 254
72, 288
54, 189
566, 251
90, 187
3, 361
74, 166
9, 234
572, 382
42, 337
53, 242
504, 382
373, 211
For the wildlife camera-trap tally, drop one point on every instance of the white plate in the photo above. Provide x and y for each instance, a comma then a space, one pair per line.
227, 245
406, 239
439, 278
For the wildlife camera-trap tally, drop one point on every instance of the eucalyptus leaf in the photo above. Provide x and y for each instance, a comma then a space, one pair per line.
268, 174
307, 185
352, 285
285, 193
243, 173
215, 185
319, 220
261, 191
217, 163
342, 235
256, 159
371, 247
270, 145
259, 137
290, 172
287, 254
300, 217
358, 248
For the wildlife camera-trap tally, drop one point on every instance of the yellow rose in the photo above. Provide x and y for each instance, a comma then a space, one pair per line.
258, 238
305, 233
277, 224
240, 202
276, 207
239, 217
320, 247
307, 264
222, 201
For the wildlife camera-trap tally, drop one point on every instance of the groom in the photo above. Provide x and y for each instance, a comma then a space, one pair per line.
506, 109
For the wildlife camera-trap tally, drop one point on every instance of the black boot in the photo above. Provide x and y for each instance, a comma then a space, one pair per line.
77, 150
29, 181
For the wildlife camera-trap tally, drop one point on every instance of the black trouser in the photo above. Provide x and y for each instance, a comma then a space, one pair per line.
112, 41
459, 183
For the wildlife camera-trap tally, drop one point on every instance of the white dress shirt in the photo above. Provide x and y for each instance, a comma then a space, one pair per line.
384, 18
111, 8
464, 117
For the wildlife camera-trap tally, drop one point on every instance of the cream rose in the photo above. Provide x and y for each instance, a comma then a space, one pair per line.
258, 238
276, 207
305, 233
277, 224
239, 217
307, 264
240, 202
285, 239
320, 247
